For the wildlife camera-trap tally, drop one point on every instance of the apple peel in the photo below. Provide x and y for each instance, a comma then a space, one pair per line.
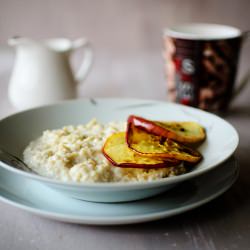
185, 132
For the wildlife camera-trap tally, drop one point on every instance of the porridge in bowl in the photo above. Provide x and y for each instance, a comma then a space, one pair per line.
74, 153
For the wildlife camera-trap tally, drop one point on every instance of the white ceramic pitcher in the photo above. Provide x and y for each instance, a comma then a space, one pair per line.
42, 73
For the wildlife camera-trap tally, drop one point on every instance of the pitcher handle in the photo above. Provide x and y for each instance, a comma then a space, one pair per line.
246, 78
87, 58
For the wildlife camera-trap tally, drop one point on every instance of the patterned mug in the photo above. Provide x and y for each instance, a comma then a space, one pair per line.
201, 64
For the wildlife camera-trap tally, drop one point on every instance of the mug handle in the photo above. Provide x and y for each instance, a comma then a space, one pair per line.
87, 58
244, 81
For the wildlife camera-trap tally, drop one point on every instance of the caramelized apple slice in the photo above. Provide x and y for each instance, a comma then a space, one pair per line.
147, 144
184, 132
117, 152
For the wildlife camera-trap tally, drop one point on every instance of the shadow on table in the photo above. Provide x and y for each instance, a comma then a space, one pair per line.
239, 111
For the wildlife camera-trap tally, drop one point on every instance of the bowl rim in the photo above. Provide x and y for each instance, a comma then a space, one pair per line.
121, 185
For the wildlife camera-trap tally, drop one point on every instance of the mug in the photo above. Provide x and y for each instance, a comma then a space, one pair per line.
201, 64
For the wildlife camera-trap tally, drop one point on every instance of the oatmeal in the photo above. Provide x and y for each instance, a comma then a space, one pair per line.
73, 153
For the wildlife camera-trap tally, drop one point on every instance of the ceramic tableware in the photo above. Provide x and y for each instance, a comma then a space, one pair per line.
42, 73
39, 199
201, 64
19, 129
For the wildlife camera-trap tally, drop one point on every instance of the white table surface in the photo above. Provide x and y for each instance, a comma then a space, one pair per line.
222, 224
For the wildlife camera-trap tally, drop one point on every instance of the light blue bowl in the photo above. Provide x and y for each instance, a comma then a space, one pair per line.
19, 129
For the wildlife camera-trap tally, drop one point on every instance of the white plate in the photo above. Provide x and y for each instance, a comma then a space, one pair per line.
39, 199
18, 130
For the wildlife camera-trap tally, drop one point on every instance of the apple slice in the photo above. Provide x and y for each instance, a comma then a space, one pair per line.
184, 132
117, 152
146, 144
